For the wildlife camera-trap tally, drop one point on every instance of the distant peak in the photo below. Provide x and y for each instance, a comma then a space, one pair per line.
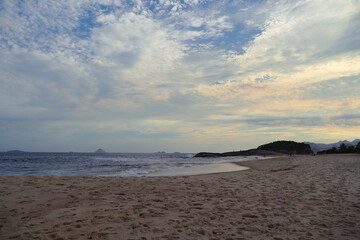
100, 151
15, 151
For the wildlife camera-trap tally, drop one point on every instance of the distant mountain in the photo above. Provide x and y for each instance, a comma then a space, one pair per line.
15, 151
287, 147
100, 151
318, 147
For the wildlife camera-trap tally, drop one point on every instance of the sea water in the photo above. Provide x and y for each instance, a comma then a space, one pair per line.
102, 164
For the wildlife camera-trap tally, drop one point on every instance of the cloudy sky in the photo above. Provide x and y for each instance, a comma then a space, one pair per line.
177, 75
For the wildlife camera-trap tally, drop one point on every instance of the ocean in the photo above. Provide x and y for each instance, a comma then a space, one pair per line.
101, 164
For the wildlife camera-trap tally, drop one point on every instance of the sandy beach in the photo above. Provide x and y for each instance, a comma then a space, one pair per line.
298, 197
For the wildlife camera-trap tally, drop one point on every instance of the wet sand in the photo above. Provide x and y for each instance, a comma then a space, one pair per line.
299, 197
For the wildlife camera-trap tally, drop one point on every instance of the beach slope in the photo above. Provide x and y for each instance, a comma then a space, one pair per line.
299, 197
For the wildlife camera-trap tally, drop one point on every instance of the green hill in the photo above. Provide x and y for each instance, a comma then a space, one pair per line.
287, 147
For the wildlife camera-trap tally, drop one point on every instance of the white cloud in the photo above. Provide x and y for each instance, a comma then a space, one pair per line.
299, 32
127, 66
38, 85
38, 23
131, 54
300, 44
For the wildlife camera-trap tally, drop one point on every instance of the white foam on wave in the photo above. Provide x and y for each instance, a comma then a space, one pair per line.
199, 170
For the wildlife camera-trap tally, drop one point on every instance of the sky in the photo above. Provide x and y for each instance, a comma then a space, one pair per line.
177, 75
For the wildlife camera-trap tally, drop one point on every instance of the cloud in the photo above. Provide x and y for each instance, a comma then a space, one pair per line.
301, 32
126, 134
178, 69
35, 83
343, 87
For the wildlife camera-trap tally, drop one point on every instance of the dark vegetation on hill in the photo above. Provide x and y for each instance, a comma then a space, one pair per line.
342, 149
287, 147
270, 149
249, 152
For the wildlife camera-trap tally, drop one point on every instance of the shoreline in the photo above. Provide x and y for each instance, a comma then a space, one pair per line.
211, 168
200, 170
128, 166
308, 197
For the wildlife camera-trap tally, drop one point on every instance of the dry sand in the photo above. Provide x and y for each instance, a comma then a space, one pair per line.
299, 197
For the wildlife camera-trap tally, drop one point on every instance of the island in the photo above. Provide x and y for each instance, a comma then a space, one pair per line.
15, 151
100, 151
